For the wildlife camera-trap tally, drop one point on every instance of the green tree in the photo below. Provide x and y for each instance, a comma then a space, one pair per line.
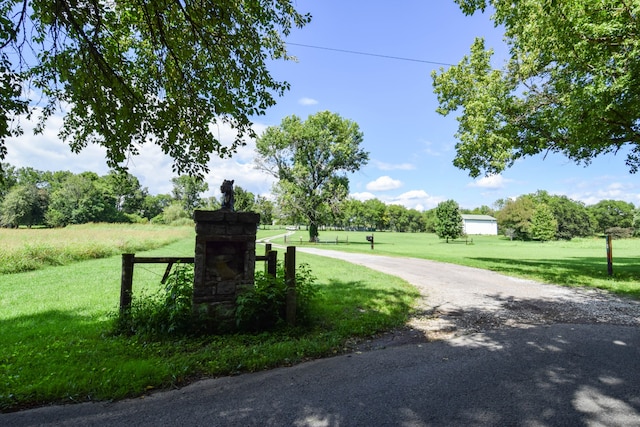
310, 159
636, 223
187, 190
375, 214
448, 223
127, 191
515, 217
244, 200
141, 71
81, 199
24, 205
265, 208
429, 219
152, 206
543, 224
398, 218
612, 213
8, 178
571, 85
572, 216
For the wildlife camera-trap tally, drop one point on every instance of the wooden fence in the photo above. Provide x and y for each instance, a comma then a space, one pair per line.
271, 265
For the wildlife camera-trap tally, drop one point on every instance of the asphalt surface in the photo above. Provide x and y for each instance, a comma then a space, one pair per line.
582, 372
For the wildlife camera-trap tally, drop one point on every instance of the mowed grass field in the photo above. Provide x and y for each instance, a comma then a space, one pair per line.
56, 340
579, 262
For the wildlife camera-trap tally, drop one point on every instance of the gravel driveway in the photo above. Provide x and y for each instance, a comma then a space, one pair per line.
458, 300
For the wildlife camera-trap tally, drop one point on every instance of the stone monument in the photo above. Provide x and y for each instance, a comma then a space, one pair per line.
225, 258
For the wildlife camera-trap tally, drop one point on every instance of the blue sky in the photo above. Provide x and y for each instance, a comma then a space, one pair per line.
411, 147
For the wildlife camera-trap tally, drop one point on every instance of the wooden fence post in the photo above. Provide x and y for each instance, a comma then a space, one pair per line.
126, 283
272, 263
290, 281
609, 255
267, 249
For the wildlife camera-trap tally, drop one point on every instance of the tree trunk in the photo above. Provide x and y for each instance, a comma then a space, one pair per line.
313, 232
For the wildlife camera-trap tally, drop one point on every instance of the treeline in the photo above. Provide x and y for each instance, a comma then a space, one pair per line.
29, 197
537, 216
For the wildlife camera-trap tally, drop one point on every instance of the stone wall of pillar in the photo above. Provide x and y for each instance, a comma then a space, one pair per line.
225, 258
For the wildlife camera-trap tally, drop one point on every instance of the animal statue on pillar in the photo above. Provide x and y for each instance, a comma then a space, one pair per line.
227, 194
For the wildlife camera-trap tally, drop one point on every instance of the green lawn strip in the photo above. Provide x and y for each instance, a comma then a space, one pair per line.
579, 262
56, 346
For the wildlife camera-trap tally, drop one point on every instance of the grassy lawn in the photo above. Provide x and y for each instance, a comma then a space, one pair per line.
579, 262
56, 345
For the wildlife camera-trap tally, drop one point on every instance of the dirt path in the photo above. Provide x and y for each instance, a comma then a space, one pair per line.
459, 300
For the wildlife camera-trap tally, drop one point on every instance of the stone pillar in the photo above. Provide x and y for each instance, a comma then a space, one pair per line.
225, 258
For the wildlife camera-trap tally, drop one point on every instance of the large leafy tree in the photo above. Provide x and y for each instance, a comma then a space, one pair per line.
24, 205
80, 199
311, 159
186, 192
130, 72
514, 219
448, 221
244, 200
571, 84
612, 213
572, 217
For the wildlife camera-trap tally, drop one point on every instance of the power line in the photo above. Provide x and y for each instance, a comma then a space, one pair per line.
354, 52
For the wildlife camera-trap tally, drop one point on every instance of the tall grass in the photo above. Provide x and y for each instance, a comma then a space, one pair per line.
30, 249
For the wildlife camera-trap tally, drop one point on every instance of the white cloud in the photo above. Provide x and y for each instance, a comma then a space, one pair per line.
416, 199
389, 166
492, 182
363, 197
613, 191
384, 183
307, 101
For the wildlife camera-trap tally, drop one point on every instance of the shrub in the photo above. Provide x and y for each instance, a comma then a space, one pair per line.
166, 312
263, 307
620, 232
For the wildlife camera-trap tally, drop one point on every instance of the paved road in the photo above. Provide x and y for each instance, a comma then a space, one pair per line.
495, 367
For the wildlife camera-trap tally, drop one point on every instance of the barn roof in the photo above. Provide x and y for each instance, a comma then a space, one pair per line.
478, 217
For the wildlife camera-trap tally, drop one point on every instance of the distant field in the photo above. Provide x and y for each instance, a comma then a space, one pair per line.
579, 262
31, 249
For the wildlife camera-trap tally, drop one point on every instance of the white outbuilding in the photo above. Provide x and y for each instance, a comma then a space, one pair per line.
479, 224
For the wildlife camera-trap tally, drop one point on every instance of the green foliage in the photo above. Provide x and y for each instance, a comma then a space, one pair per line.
448, 221
619, 232
543, 224
187, 190
263, 307
265, 208
516, 216
311, 159
612, 213
571, 85
245, 201
167, 312
24, 205
161, 72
